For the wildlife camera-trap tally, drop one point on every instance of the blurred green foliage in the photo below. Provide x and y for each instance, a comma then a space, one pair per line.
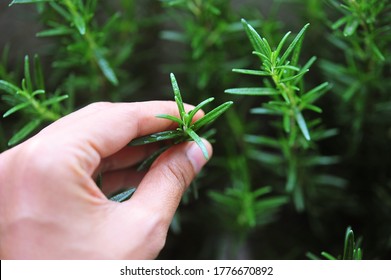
351, 250
303, 152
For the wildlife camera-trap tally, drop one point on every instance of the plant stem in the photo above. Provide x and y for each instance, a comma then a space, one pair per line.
89, 39
289, 96
43, 111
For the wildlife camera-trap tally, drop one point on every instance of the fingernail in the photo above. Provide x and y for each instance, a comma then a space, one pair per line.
195, 155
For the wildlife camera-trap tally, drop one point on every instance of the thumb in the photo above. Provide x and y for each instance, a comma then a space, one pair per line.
159, 193
172, 172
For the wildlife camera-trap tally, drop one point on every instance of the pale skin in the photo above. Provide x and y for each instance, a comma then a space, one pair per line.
51, 207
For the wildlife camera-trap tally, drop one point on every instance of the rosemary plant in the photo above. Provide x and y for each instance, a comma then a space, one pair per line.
85, 53
358, 64
248, 208
32, 99
208, 31
243, 206
5, 73
91, 45
186, 131
187, 128
289, 99
351, 251
85, 45
286, 76
362, 35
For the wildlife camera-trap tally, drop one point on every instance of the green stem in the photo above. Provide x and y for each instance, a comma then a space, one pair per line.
292, 171
87, 35
43, 110
289, 96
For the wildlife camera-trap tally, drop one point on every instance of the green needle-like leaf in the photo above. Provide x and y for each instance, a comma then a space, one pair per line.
16, 108
79, 23
309, 63
313, 94
262, 140
288, 67
349, 245
293, 44
65, 13
265, 111
351, 27
199, 106
313, 108
254, 37
302, 124
377, 52
105, 67
312, 256
121, 197
199, 142
223, 199
24, 132
291, 78
171, 118
328, 256
281, 44
38, 74
212, 115
261, 191
160, 136
37, 92
27, 1
267, 47
266, 60
252, 91
178, 97
251, 72
27, 76
9, 88
357, 254
59, 31
55, 100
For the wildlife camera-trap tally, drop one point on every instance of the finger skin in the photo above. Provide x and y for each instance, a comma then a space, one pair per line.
157, 197
168, 178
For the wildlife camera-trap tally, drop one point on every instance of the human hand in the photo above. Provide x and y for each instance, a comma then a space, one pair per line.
50, 206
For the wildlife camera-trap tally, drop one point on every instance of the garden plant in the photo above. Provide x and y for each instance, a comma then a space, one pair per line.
302, 138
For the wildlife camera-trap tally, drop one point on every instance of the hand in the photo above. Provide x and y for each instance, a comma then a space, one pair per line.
50, 206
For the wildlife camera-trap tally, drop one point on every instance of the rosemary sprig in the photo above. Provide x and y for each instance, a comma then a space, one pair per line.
286, 75
187, 128
32, 99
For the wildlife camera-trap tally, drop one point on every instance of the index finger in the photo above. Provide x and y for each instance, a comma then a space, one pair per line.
107, 127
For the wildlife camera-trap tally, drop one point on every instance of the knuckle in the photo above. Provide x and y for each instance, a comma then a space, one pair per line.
32, 161
99, 105
178, 173
175, 170
32, 152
